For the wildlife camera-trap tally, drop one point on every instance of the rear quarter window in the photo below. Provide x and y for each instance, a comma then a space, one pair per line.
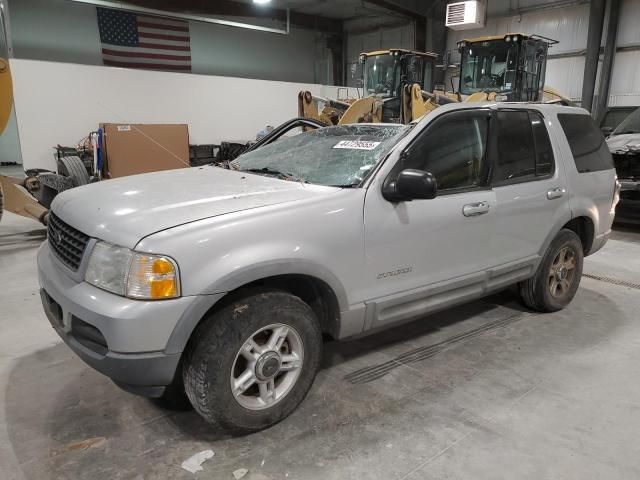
590, 151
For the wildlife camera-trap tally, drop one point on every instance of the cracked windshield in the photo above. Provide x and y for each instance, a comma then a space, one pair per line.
630, 125
334, 156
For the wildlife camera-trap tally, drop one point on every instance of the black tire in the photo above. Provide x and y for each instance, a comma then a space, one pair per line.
536, 293
74, 168
215, 345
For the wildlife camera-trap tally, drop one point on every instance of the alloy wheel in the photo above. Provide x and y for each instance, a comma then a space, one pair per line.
562, 272
267, 366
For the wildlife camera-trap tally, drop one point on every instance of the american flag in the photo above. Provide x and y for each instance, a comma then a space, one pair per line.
143, 41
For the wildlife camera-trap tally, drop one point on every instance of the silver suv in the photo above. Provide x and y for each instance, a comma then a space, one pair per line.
214, 287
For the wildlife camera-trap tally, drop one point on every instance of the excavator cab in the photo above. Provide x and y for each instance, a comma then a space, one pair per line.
507, 67
386, 72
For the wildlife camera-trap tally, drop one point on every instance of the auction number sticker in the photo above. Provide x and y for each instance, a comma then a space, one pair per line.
356, 144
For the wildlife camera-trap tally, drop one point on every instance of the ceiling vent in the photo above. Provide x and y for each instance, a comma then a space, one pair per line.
466, 15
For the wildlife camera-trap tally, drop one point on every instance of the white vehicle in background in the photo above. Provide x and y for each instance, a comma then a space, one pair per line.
624, 144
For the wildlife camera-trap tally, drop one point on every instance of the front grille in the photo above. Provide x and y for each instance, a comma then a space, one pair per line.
66, 242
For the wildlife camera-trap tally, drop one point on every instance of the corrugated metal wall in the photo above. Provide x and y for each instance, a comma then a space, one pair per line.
569, 25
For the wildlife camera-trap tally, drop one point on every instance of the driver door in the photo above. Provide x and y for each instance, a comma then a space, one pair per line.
423, 254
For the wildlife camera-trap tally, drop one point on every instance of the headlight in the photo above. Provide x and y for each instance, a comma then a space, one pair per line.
108, 267
128, 273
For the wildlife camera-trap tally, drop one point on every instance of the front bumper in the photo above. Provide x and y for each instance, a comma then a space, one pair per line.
122, 338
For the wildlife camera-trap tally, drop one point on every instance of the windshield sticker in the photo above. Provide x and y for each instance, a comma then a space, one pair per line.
356, 144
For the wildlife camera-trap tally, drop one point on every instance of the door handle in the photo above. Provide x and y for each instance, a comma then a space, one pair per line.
475, 209
556, 193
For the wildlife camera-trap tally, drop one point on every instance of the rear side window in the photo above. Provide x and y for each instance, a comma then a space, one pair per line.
590, 152
522, 150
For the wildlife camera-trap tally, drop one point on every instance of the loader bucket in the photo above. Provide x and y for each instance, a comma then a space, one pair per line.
18, 200
6, 93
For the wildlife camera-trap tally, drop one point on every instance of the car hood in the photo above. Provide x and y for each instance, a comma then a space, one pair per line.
125, 210
628, 142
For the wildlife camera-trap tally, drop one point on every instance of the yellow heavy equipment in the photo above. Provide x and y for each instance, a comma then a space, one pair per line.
398, 84
385, 76
14, 192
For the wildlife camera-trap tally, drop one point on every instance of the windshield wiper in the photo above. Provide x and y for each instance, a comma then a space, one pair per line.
626, 132
267, 171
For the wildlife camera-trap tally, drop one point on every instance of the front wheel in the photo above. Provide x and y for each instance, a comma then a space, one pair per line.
558, 276
250, 364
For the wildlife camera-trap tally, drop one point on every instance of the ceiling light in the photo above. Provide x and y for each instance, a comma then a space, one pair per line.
261, 2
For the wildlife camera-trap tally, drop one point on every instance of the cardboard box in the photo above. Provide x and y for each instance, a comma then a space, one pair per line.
138, 148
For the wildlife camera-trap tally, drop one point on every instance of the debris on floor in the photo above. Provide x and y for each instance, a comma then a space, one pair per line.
194, 463
79, 446
239, 473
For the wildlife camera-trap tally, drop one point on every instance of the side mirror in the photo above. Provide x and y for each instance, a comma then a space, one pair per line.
606, 131
410, 185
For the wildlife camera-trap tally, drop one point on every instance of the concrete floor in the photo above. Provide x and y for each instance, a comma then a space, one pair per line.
484, 391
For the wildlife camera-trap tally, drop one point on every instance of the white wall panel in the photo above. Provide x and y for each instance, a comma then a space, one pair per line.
382, 38
625, 86
565, 75
61, 103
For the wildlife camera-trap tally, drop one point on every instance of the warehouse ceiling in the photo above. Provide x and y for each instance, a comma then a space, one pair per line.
352, 9
334, 15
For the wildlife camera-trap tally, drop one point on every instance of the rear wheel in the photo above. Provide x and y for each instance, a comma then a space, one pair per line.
250, 364
558, 276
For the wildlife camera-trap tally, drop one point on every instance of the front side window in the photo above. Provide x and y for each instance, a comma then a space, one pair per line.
453, 149
631, 124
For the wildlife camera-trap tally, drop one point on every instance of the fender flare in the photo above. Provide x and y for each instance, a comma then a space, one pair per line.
244, 276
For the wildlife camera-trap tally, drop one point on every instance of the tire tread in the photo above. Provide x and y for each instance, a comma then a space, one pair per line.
210, 343
532, 291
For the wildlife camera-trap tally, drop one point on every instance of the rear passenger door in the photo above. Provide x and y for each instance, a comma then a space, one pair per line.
529, 185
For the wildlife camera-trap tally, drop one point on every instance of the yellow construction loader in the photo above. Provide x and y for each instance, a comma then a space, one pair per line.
385, 76
398, 84
16, 194
14, 191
